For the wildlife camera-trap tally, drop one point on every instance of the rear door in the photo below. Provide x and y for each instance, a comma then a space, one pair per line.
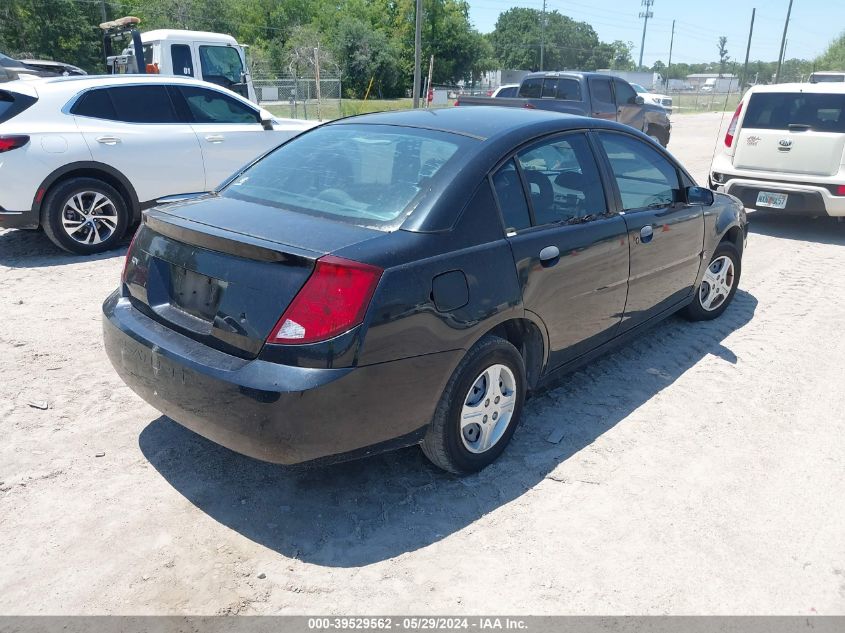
229, 131
571, 254
136, 130
792, 132
602, 103
666, 235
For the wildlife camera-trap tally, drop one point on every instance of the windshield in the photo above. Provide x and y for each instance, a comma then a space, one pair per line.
221, 65
362, 174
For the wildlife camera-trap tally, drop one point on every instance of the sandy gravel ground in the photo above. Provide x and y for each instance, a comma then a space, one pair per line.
701, 470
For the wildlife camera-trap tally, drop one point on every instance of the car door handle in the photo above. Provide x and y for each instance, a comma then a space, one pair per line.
646, 234
215, 138
108, 140
549, 256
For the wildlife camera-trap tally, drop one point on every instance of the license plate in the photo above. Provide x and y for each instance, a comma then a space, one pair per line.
772, 200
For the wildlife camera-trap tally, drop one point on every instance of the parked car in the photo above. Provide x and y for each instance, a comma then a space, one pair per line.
56, 68
12, 69
589, 94
82, 156
821, 76
508, 90
654, 97
785, 150
409, 277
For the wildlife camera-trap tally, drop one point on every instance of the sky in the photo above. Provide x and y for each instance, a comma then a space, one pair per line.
699, 23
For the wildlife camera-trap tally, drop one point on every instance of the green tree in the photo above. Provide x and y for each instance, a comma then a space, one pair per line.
622, 58
834, 57
723, 54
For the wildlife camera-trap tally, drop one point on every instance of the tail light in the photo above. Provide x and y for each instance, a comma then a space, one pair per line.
8, 143
128, 255
840, 190
332, 301
457, 102
729, 135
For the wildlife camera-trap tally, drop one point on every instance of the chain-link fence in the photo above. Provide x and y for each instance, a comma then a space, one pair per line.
301, 95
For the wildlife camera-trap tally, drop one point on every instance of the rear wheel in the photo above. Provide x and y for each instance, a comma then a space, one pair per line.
479, 409
718, 286
85, 216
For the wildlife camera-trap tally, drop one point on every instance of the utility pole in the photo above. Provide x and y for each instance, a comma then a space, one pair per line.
747, 51
645, 14
417, 54
103, 10
783, 41
542, 34
669, 65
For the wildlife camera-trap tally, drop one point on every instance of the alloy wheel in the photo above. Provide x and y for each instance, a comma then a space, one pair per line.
89, 217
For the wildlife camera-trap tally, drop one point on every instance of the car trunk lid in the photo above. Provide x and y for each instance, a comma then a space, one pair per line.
223, 271
800, 133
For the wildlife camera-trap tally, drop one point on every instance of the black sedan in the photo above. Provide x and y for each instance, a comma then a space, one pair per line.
409, 277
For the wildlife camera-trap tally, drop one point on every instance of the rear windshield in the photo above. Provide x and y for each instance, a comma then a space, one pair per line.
779, 110
369, 175
12, 104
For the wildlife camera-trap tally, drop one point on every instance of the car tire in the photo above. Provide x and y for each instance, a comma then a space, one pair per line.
718, 286
84, 216
479, 409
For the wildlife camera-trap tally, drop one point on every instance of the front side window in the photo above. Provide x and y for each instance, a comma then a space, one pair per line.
210, 106
183, 63
367, 175
625, 95
645, 178
531, 88
221, 65
563, 180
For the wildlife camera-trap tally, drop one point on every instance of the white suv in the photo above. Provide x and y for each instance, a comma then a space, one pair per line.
785, 150
83, 156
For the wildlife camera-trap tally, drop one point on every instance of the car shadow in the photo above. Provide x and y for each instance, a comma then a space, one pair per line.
365, 511
823, 230
32, 249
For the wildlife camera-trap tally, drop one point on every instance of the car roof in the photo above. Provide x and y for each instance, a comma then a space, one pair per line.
176, 34
75, 83
830, 87
480, 122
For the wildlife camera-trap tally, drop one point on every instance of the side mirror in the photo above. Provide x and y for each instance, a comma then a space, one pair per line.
266, 119
639, 100
699, 195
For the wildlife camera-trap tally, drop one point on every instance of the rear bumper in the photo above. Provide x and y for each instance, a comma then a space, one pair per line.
276, 413
803, 198
18, 219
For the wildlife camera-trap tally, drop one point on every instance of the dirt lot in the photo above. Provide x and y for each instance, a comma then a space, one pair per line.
701, 470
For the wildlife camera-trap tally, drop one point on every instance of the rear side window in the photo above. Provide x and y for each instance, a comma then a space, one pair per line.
511, 197
600, 90
508, 92
779, 110
624, 93
645, 178
531, 88
569, 90
130, 104
13, 103
180, 57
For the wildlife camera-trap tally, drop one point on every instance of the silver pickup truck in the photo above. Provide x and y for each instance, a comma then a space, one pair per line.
588, 94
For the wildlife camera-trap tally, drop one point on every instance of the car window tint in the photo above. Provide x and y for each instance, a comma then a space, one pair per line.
549, 88
367, 175
221, 65
511, 196
210, 106
563, 179
569, 90
142, 104
644, 176
779, 110
183, 63
96, 104
600, 90
531, 88
508, 92
624, 93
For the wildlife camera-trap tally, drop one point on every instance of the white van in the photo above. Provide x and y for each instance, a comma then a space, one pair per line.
785, 150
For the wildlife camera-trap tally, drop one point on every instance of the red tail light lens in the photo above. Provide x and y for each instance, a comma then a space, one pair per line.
457, 102
332, 301
128, 254
729, 136
840, 190
8, 143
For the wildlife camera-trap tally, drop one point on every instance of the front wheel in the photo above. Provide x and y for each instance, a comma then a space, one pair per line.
479, 409
718, 286
85, 216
